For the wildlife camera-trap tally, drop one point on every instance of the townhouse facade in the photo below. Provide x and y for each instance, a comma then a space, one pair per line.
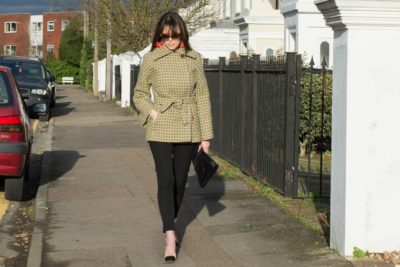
33, 35
306, 32
259, 22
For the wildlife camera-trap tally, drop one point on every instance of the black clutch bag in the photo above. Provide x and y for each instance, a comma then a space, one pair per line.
204, 166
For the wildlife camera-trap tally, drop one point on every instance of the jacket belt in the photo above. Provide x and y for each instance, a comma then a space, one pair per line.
184, 104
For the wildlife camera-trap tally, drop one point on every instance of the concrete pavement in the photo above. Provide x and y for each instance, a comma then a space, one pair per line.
100, 191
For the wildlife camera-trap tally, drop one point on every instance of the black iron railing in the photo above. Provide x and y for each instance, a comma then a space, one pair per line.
255, 116
315, 130
117, 74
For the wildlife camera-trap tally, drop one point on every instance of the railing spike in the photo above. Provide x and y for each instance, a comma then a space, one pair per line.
312, 62
323, 64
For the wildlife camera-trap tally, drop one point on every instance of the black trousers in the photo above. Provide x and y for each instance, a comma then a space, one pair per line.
172, 162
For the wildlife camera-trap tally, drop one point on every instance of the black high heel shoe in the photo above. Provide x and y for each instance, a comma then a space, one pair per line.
172, 259
169, 259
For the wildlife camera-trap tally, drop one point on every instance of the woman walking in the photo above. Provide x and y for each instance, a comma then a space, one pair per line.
172, 95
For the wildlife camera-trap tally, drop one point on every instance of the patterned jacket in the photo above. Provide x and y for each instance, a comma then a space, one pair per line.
180, 93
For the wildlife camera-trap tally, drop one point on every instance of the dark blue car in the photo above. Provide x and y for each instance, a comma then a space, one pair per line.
34, 82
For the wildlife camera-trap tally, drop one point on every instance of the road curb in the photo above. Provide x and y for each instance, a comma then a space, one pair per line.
36, 246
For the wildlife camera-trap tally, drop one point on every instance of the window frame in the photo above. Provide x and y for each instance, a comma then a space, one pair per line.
47, 48
62, 24
48, 25
6, 30
37, 26
9, 46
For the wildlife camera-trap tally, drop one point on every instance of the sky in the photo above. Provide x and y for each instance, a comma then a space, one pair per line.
36, 7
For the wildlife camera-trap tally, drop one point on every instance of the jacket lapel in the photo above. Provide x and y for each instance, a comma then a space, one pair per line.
163, 51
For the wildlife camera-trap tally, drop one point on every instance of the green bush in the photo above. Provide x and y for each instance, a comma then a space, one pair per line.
71, 42
312, 135
85, 71
61, 69
359, 253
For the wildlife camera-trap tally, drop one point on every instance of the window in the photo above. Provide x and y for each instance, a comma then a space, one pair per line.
247, 4
291, 40
5, 94
10, 50
237, 6
64, 24
270, 52
324, 53
227, 9
36, 26
50, 49
10, 27
50, 26
36, 51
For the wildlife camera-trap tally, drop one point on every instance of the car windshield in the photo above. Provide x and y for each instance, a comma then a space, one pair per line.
26, 70
5, 94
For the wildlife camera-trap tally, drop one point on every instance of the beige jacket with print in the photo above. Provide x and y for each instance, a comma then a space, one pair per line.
181, 96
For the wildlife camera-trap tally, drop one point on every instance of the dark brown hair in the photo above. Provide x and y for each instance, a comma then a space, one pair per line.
175, 23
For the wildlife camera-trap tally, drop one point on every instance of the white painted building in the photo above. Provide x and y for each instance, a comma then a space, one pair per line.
306, 32
216, 42
36, 35
365, 183
243, 26
260, 25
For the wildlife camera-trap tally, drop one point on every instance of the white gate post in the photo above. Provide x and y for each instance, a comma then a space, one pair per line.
365, 197
125, 82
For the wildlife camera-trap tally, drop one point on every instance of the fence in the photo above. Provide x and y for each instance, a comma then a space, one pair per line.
315, 131
134, 76
117, 74
265, 116
255, 114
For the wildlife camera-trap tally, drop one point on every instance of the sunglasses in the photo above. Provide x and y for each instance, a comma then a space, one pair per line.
165, 37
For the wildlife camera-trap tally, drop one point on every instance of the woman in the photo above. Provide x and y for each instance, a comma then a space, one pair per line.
178, 119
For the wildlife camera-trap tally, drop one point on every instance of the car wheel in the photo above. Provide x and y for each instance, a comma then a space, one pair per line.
14, 187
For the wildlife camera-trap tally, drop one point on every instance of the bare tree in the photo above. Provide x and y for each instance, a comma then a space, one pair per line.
117, 26
199, 14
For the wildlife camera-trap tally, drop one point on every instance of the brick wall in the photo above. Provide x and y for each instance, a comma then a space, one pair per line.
20, 38
54, 37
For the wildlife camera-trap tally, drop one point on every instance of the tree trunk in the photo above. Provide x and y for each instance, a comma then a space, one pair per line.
96, 57
108, 59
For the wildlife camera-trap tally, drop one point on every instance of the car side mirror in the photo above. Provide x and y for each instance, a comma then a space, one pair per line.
52, 78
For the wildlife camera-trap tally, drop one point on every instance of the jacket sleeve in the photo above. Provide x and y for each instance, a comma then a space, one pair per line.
141, 97
203, 102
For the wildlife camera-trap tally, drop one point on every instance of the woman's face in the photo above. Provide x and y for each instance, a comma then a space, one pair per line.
171, 40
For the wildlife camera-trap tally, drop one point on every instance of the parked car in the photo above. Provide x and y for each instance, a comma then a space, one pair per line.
16, 136
34, 83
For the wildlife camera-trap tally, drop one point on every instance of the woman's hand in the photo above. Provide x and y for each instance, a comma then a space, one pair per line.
205, 145
153, 114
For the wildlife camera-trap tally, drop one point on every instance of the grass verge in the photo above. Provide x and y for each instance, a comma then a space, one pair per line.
311, 211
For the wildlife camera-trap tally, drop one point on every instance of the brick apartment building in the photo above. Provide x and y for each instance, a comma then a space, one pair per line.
33, 35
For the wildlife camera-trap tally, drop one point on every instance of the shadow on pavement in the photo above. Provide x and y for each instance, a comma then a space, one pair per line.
61, 109
60, 162
199, 198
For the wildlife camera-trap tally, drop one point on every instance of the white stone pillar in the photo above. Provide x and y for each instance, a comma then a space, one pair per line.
365, 196
125, 83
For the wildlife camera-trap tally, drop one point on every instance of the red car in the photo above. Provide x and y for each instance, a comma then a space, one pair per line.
16, 137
